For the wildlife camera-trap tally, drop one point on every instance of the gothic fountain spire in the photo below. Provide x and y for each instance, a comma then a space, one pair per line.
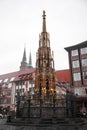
44, 76
44, 22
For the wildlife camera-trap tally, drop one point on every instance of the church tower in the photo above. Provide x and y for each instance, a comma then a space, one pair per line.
24, 61
45, 73
30, 61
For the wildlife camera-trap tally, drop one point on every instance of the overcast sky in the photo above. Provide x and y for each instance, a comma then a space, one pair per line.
21, 23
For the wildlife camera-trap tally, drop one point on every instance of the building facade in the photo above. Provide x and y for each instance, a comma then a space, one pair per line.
10, 83
78, 71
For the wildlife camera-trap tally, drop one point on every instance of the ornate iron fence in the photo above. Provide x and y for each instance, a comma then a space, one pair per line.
34, 108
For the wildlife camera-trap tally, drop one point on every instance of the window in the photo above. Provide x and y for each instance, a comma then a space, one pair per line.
78, 91
9, 93
5, 80
9, 85
75, 64
84, 62
0, 94
85, 75
0, 80
84, 50
22, 90
86, 90
3, 85
74, 52
19, 86
16, 87
12, 78
76, 76
1, 101
8, 100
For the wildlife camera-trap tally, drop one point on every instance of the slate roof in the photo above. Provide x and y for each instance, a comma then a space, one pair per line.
62, 75
9, 77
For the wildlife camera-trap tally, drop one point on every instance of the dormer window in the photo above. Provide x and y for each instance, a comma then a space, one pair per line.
12, 78
5, 80
0, 80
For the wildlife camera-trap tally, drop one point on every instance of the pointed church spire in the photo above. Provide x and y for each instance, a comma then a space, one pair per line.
24, 56
44, 22
24, 60
30, 61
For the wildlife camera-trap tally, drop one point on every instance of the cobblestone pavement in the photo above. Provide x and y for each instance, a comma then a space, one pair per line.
82, 126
